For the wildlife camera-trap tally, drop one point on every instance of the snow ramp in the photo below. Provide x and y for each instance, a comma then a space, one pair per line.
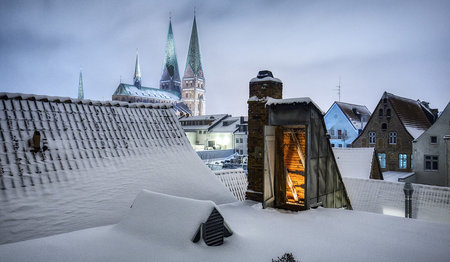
70, 164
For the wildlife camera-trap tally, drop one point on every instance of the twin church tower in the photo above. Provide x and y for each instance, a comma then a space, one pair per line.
187, 95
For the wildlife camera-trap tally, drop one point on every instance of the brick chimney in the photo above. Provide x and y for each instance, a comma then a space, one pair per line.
262, 86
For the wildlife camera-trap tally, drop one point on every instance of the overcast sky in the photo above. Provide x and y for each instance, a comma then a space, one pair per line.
402, 47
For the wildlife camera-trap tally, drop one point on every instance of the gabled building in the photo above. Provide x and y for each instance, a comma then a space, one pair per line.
193, 92
345, 122
394, 124
432, 153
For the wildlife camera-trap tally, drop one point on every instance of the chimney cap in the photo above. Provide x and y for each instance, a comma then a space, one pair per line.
264, 73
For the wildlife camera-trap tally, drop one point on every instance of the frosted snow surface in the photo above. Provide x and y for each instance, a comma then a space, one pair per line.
165, 218
300, 100
430, 203
98, 158
354, 162
414, 131
258, 235
267, 78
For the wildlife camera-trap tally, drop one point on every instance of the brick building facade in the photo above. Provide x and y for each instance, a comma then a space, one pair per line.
394, 124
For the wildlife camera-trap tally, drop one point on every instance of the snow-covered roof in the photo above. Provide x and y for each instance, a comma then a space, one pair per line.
259, 235
441, 121
204, 122
227, 125
396, 176
92, 161
384, 197
61, 99
148, 92
354, 113
235, 180
300, 100
165, 218
410, 114
264, 79
354, 162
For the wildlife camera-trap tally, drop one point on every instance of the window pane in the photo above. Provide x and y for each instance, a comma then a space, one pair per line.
435, 165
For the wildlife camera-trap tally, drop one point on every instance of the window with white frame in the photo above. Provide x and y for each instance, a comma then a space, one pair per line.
392, 138
402, 160
372, 138
382, 159
431, 163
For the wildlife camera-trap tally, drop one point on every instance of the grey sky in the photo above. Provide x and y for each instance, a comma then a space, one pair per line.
402, 47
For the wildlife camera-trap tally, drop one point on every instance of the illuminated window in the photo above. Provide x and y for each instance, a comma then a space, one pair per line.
382, 160
402, 160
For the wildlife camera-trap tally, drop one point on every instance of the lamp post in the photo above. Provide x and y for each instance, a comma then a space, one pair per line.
408, 189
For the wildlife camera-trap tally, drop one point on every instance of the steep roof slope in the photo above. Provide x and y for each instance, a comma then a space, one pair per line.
354, 113
354, 162
410, 114
92, 160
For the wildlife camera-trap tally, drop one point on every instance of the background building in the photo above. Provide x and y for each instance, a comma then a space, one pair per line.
216, 132
431, 153
345, 122
394, 124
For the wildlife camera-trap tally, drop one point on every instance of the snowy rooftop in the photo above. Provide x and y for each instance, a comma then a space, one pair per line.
410, 113
354, 162
258, 235
300, 100
355, 113
227, 125
87, 175
396, 176
131, 90
203, 122
429, 203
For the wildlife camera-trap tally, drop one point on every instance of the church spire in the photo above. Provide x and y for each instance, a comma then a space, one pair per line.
193, 61
194, 93
80, 87
137, 72
170, 79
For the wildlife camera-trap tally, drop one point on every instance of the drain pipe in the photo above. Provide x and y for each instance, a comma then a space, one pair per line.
408, 189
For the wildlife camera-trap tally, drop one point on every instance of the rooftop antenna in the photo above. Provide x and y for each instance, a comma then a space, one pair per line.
339, 89
120, 81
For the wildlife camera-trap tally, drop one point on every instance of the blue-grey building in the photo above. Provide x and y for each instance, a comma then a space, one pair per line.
344, 122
